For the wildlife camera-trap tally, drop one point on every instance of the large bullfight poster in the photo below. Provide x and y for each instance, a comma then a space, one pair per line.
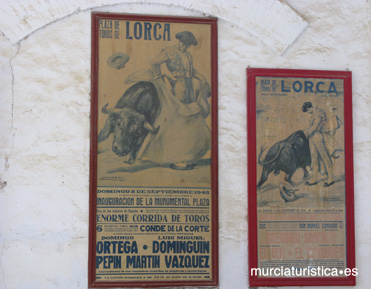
153, 205
301, 224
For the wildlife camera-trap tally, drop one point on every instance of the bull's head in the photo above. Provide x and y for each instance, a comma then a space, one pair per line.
129, 129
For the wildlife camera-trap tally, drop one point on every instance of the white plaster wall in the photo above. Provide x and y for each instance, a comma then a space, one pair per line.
44, 121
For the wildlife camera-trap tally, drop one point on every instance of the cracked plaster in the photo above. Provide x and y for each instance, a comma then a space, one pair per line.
22, 18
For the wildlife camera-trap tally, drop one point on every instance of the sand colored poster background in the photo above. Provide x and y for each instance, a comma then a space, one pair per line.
306, 228
113, 83
154, 189
300, 182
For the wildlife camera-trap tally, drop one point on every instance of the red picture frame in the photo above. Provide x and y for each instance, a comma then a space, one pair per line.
298, 223
201, 169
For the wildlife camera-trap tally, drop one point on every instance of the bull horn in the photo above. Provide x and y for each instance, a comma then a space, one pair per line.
150, 128
111, 110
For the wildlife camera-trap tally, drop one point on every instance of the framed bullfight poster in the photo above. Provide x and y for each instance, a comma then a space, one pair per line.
300, 182
154, 162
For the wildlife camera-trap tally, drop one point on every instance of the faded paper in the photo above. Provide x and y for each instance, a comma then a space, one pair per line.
154, 216
300, 173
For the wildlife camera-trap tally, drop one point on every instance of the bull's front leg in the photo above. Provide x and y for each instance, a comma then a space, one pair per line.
289, 180
306, 174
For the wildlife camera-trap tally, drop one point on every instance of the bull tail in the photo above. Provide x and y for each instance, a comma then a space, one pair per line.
263, 163
263, 178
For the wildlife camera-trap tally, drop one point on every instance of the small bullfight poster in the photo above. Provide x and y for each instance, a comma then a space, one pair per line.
300, 182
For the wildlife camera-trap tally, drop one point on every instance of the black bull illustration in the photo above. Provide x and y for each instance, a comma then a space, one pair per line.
131, 120
286, 155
